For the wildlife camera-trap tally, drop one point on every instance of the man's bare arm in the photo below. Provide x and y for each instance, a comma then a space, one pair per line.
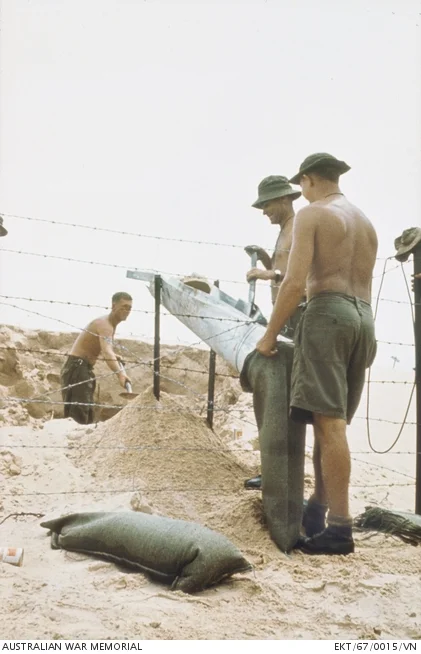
257, 273
293, 286
105, 333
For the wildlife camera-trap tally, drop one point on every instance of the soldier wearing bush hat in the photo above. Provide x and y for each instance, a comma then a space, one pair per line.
275, 196
332, 259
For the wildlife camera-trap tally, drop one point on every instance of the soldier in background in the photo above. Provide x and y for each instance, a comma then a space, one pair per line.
95, 339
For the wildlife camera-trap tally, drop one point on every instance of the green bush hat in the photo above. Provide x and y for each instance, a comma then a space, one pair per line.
273, 187
313, 160
3, 230
406, 243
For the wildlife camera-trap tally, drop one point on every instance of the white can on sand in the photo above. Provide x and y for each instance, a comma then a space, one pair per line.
12, 555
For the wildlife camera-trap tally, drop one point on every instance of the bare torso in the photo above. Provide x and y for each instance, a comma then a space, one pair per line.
280, 255
345, 250
88, 343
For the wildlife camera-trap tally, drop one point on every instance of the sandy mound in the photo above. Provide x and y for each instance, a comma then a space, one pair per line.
169, 455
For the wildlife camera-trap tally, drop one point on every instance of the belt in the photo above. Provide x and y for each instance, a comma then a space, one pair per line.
345, 296
79, 361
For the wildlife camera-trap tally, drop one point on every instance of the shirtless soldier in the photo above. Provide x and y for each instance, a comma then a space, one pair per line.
275, 198
333, 255
95, 339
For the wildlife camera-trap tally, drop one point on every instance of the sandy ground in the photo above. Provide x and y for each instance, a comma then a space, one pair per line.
52, 466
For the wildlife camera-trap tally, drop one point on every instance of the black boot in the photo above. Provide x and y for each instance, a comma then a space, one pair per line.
255, 483
314, 518
333, 540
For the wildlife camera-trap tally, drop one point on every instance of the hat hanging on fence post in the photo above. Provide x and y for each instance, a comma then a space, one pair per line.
3, 230
407, 242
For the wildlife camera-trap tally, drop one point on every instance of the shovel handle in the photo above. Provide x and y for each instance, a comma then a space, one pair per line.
252, 289
127, 385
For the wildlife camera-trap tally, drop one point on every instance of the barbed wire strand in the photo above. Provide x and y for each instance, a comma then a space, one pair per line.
163, 313
156, 448
121, 267
172, 489
111, 265
385, 420
148, 364
393, 343
217, 408
137, 234
244, 321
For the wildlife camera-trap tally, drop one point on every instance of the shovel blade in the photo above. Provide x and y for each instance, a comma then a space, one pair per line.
129, 396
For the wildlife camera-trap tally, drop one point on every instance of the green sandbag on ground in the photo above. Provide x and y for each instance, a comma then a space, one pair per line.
281, 440
184, 554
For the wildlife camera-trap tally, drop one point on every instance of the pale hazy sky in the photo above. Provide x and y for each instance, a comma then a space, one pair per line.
161, 118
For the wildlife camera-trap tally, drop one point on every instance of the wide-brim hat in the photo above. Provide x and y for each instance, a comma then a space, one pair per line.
407, 242
3, 230
273, 187
320, 158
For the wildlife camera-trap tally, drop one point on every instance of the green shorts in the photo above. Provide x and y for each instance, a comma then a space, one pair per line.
293, 321
334, 345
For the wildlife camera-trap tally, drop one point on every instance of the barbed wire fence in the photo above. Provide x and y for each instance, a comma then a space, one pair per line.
200, 405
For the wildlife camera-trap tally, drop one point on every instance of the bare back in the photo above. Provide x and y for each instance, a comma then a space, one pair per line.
88, 344
345, 248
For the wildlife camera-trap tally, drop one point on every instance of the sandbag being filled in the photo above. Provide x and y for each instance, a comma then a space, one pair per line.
181, 553
281, 440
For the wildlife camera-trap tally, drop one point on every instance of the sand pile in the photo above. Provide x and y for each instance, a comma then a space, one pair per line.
173, 463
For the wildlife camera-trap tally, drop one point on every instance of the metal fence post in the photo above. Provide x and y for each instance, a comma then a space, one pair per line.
211, 381
156, 346
417, 298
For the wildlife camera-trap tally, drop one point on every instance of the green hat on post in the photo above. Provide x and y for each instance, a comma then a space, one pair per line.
407, 242
320, 158
273, 187
3, 230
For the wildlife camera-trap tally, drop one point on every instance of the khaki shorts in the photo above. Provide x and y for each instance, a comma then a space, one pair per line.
334, 345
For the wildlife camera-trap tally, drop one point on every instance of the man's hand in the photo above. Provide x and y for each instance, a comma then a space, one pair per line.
123, 379
257, 273
267, 346
261, 253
